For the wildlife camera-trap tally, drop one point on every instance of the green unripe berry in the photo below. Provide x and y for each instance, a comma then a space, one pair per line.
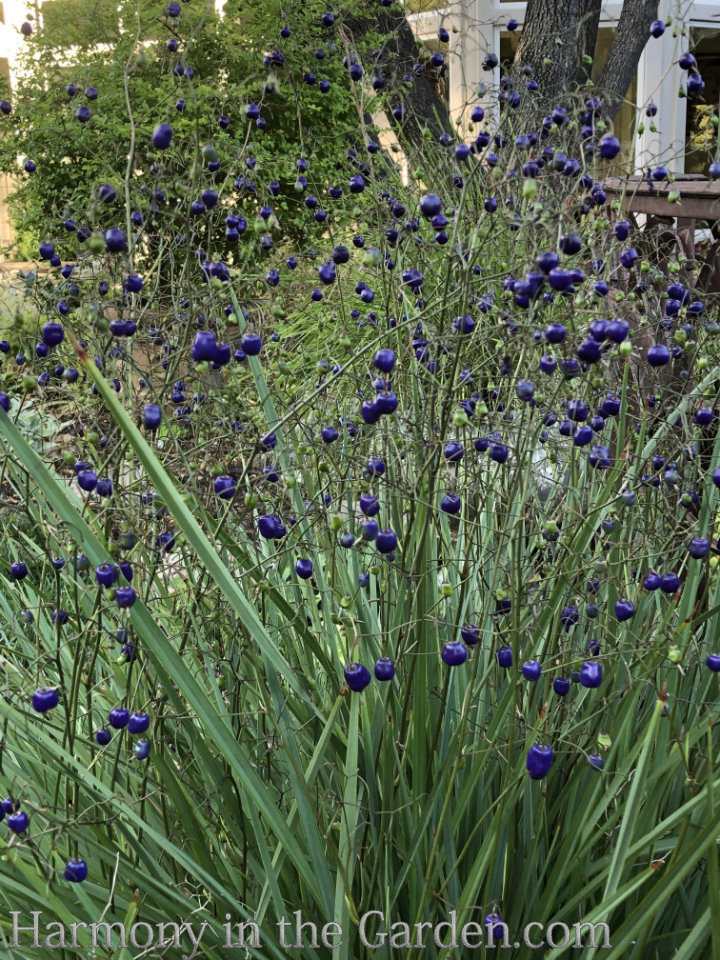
373, 258
460, 418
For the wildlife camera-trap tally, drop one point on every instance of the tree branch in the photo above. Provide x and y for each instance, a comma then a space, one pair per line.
398, 55
632, 34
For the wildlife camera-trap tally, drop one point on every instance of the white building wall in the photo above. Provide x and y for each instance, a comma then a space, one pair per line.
11, 41
479, 24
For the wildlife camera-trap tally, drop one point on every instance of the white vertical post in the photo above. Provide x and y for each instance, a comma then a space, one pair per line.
464, 50
659, 78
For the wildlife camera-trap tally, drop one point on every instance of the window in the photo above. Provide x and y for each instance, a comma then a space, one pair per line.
508, 46
701, 138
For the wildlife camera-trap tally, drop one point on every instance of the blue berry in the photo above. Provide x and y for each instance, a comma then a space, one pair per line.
384, 669
504, 657
539, 760
224, 487
44, 699
18, 822
18, 570
138, 722
152, 416
357, 676
699, 548
454, 652
624, 610
591, 674
118, 717
531, 670
125, 597
106, 574
75, 871
386, 541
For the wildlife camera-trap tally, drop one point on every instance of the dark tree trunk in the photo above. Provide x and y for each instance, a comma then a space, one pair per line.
398, 55
632, 34
555, 38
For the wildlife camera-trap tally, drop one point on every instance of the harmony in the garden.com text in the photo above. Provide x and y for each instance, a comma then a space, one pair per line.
296, 933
